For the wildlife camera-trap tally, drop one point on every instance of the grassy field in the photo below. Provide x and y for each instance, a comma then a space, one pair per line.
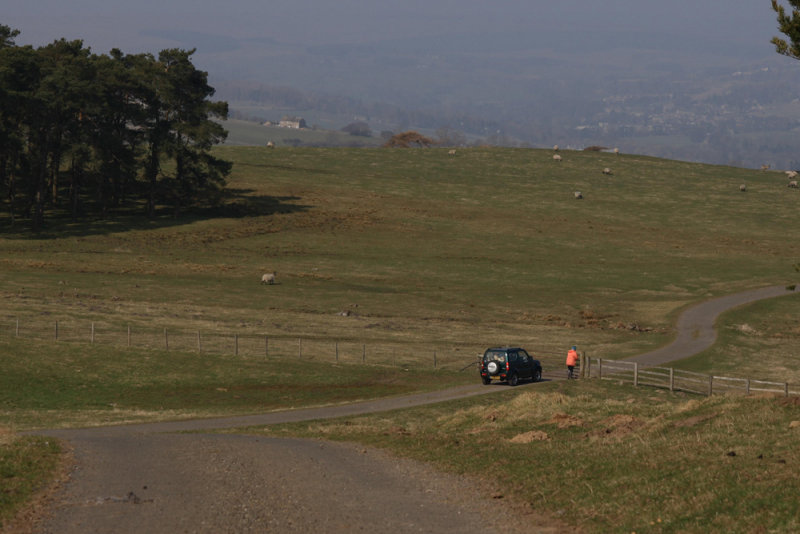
416, 252
73, 384
487, 247
26, 464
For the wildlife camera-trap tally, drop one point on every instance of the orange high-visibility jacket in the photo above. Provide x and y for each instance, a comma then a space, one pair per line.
572, 358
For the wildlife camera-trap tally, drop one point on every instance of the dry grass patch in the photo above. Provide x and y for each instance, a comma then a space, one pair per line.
6, 435
619, 459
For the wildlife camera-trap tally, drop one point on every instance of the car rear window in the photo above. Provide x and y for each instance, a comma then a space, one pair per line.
494, 356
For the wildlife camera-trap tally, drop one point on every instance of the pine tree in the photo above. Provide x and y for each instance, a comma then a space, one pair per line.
789, 25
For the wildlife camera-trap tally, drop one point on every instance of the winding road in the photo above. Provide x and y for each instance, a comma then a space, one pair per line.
695, 325
152, 478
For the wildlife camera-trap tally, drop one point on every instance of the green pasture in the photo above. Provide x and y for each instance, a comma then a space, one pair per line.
485, 247
27, 464
49, 385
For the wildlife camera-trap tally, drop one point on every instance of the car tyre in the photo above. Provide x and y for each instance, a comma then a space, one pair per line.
513, 380
486, 380
537, 375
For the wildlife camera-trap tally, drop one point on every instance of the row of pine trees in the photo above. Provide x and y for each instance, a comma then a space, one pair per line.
88, 135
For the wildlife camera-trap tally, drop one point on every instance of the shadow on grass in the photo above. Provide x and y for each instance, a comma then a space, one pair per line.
235, 204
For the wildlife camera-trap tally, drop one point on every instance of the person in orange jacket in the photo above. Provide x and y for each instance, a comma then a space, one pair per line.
572, 361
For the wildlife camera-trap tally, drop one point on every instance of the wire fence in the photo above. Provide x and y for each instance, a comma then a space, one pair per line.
248, 344
460, 357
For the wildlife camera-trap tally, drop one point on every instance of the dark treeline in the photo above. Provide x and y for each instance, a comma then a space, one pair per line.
87, 134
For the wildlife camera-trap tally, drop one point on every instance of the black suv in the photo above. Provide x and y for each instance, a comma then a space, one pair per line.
509, 364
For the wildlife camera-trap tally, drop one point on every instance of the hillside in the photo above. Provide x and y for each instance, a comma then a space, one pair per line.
710, 109
420, 248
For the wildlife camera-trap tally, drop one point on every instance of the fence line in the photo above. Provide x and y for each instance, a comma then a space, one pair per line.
680, 380
385, 353
245, 344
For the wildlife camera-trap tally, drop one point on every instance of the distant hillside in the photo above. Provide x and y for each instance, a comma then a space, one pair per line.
741, 118
250, 133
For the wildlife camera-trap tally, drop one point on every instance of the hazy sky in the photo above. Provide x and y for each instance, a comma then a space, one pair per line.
132, 24
508, 60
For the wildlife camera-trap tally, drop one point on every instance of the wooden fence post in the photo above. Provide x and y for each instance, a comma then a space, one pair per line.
16, 331
235, 344
166, 339
364, 353
710, 385
671, 379
434, 359
336, 347
266, 347
92, 332
56, 330
635, 374
299, 348
199, 342
786, 389
747, 386
600, 368
129, 335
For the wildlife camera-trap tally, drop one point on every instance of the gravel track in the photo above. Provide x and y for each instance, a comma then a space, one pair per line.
150, 478
695, 325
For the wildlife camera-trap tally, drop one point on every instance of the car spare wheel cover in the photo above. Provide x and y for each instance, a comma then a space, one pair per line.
491, 367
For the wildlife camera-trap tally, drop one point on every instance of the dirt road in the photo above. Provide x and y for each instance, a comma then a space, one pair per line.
695, 326
151, 478
168, 483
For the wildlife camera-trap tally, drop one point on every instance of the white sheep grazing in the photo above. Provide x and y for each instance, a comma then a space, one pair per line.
268, 278
607, 171
578, 195
270, 144
452, 152
555, 148
556, 157
793, 184
616, 151
742, 188
791, 175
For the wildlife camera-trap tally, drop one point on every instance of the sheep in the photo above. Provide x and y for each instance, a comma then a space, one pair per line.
791, 174
556, 157
578, 195
607, 171
268, 278
742, 188
555, 148
793, 184
766, 167
270, 144
616, 151
452, 152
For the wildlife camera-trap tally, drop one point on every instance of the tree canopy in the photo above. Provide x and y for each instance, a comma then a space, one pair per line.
789, 25
90, 133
